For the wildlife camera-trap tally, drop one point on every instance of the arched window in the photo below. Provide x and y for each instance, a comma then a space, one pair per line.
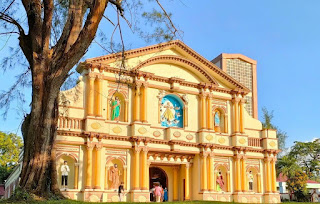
219, 120
71, 174
171, 111
252, 179
117, 108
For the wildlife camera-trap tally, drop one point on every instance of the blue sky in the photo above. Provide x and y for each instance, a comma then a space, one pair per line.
283, 36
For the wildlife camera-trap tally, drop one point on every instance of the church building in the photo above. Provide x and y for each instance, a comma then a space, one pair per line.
165, 115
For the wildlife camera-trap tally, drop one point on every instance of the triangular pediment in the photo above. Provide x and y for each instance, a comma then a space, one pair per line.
175, 53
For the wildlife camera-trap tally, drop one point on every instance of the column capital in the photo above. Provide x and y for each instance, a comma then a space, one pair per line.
267, 159
235, 100
237, 156
99, 77
145, 84
91, 76
144, 149
90, 146
188, 165
211, 154
242, 101
136, 149
204, 154
202, 95
76, 164
137, 84
99, 146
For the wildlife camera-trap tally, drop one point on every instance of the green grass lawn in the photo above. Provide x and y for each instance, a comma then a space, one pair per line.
80, 202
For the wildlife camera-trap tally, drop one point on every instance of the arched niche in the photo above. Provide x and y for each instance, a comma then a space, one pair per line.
221, 170
220, 120
111, 173
254, 176
122, 97
171, 111
71, 162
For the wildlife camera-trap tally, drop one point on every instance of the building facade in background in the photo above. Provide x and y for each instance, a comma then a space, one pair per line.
244, 70
166, 117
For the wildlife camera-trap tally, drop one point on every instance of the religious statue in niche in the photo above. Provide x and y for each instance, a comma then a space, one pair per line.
114, 176
171, 112
217, 121
116, 108
220, 181
250, 178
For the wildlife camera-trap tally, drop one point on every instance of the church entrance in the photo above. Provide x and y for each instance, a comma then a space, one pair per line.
157, 177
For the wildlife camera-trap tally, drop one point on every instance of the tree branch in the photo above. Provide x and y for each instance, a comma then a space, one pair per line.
9, 19
47, 24
169, 18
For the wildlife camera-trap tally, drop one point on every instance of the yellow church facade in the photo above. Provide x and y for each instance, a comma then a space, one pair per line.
163, 115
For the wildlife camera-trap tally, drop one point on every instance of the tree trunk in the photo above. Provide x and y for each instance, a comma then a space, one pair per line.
39, 174
49, 67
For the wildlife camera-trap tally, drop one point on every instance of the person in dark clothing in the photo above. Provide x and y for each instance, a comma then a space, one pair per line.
121, 192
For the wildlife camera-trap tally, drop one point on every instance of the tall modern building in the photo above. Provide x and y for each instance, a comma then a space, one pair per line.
244, 70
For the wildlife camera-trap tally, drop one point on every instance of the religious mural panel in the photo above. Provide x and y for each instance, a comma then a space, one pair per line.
171, 111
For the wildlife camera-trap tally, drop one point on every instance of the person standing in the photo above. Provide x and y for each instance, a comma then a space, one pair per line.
314, 196
64, 175
152, 196
157, 192
165, 194
121, 192
250, 181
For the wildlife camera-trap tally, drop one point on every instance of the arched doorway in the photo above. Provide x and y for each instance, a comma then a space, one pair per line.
158, 175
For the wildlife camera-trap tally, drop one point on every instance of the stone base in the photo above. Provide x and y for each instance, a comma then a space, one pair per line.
72, 194
90, 195
217, 196
140, 196
271, 198
113, 196
248, 197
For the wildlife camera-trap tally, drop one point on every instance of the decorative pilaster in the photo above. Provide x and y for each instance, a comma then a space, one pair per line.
209, 114
237, 182
106, 171
187, 182
202, 111
204, 174
175, 183
143, 103
211, 173
267, 174
235, 102
98, 92
144, 169
243, 175
90, 94
185, 115
241, 115
89, 166
126, 105
225, 123
228, 181
259, 182
98, 167
136, 168
273, 176
214, 180
76, 175
125, 177
136, 102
